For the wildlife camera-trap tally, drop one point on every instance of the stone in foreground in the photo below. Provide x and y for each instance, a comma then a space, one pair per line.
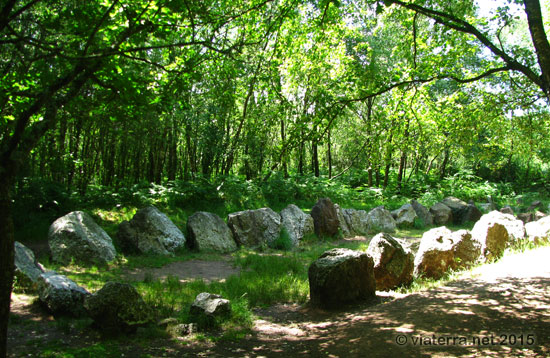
60, 295
208, 309
495, 231
341, 276
150, 232
325, 218
538, 231
77, 237
117, 307
393, 262
27, 269
208, 232
253, 228
435, 255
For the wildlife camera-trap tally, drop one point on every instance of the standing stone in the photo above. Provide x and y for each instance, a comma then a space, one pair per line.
494, 231
60, 295
77, 237
325, 218
469, 214
393, 263
467, 251
118, 307
341, 276
344, 225
357, 221
525, 217
435, 255
404, 216
208, 309
150, 231
538, 231
297, 223
507, 210
423, 213
208, 232
253, 228
380, 220
442, 214
27, 269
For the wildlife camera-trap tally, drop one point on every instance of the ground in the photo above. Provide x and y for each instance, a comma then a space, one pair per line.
501, 309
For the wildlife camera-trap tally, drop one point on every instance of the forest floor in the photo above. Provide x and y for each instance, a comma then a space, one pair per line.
496, 310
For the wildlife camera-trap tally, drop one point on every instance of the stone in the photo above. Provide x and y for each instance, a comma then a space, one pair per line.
208, 232
486, 207
469, 214
537, 215
495, 231
118, 307
208, 310
380, 220
467, 251
435, 255
404, 216
254, 228
150, 232
181, 329
27, 268
525, 217
325, 218
77, 237
356, 221
297, 223
423, 213
457, 206
344, 226
538, 231
393, 262
442, 214
60, 295
507, 210
341, 276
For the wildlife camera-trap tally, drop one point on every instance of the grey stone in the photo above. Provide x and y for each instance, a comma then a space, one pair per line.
404, 216
442, 214
253, 228
341, 276
344, 226
380, 220
393, 262
423, 213
495, 231
208, 232
208, 309
469, 214
325, 218
77, 237
435, 255
507, 210
538, 231
297, 223
60, 295
356, 221
150, 231
118, 307
27, 269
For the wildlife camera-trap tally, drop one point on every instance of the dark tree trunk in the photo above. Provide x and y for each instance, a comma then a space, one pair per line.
540, 41
6, 263
329, 155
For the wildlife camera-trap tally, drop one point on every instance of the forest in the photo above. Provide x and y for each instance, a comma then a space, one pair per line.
227, 105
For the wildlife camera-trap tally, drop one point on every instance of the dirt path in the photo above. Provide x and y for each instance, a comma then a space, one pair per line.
471, 317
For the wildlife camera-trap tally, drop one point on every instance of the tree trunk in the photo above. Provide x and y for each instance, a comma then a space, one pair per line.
540, 41
443, 170
329, 155
7, 250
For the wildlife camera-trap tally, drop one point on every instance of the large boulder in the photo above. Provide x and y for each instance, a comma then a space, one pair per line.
404, 216
538, 231
441, 213
341, 276
117, 307
253, 228
27, 268
208, 309
457, 207
344, 225
393, 262
208, 232
77, 237
380, 220
467, 250
356, 221
423, 213
470, 213
435, 255
495, 231
60, 295
325, 218
297, 223
150, 231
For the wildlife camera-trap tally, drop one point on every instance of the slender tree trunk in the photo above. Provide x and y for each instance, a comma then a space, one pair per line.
540, 40
283, 140
6, 264
329, 155
443, 170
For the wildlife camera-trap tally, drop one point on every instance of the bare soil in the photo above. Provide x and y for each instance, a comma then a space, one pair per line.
497, 310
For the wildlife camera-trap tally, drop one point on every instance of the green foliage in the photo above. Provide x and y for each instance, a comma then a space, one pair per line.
283, 242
